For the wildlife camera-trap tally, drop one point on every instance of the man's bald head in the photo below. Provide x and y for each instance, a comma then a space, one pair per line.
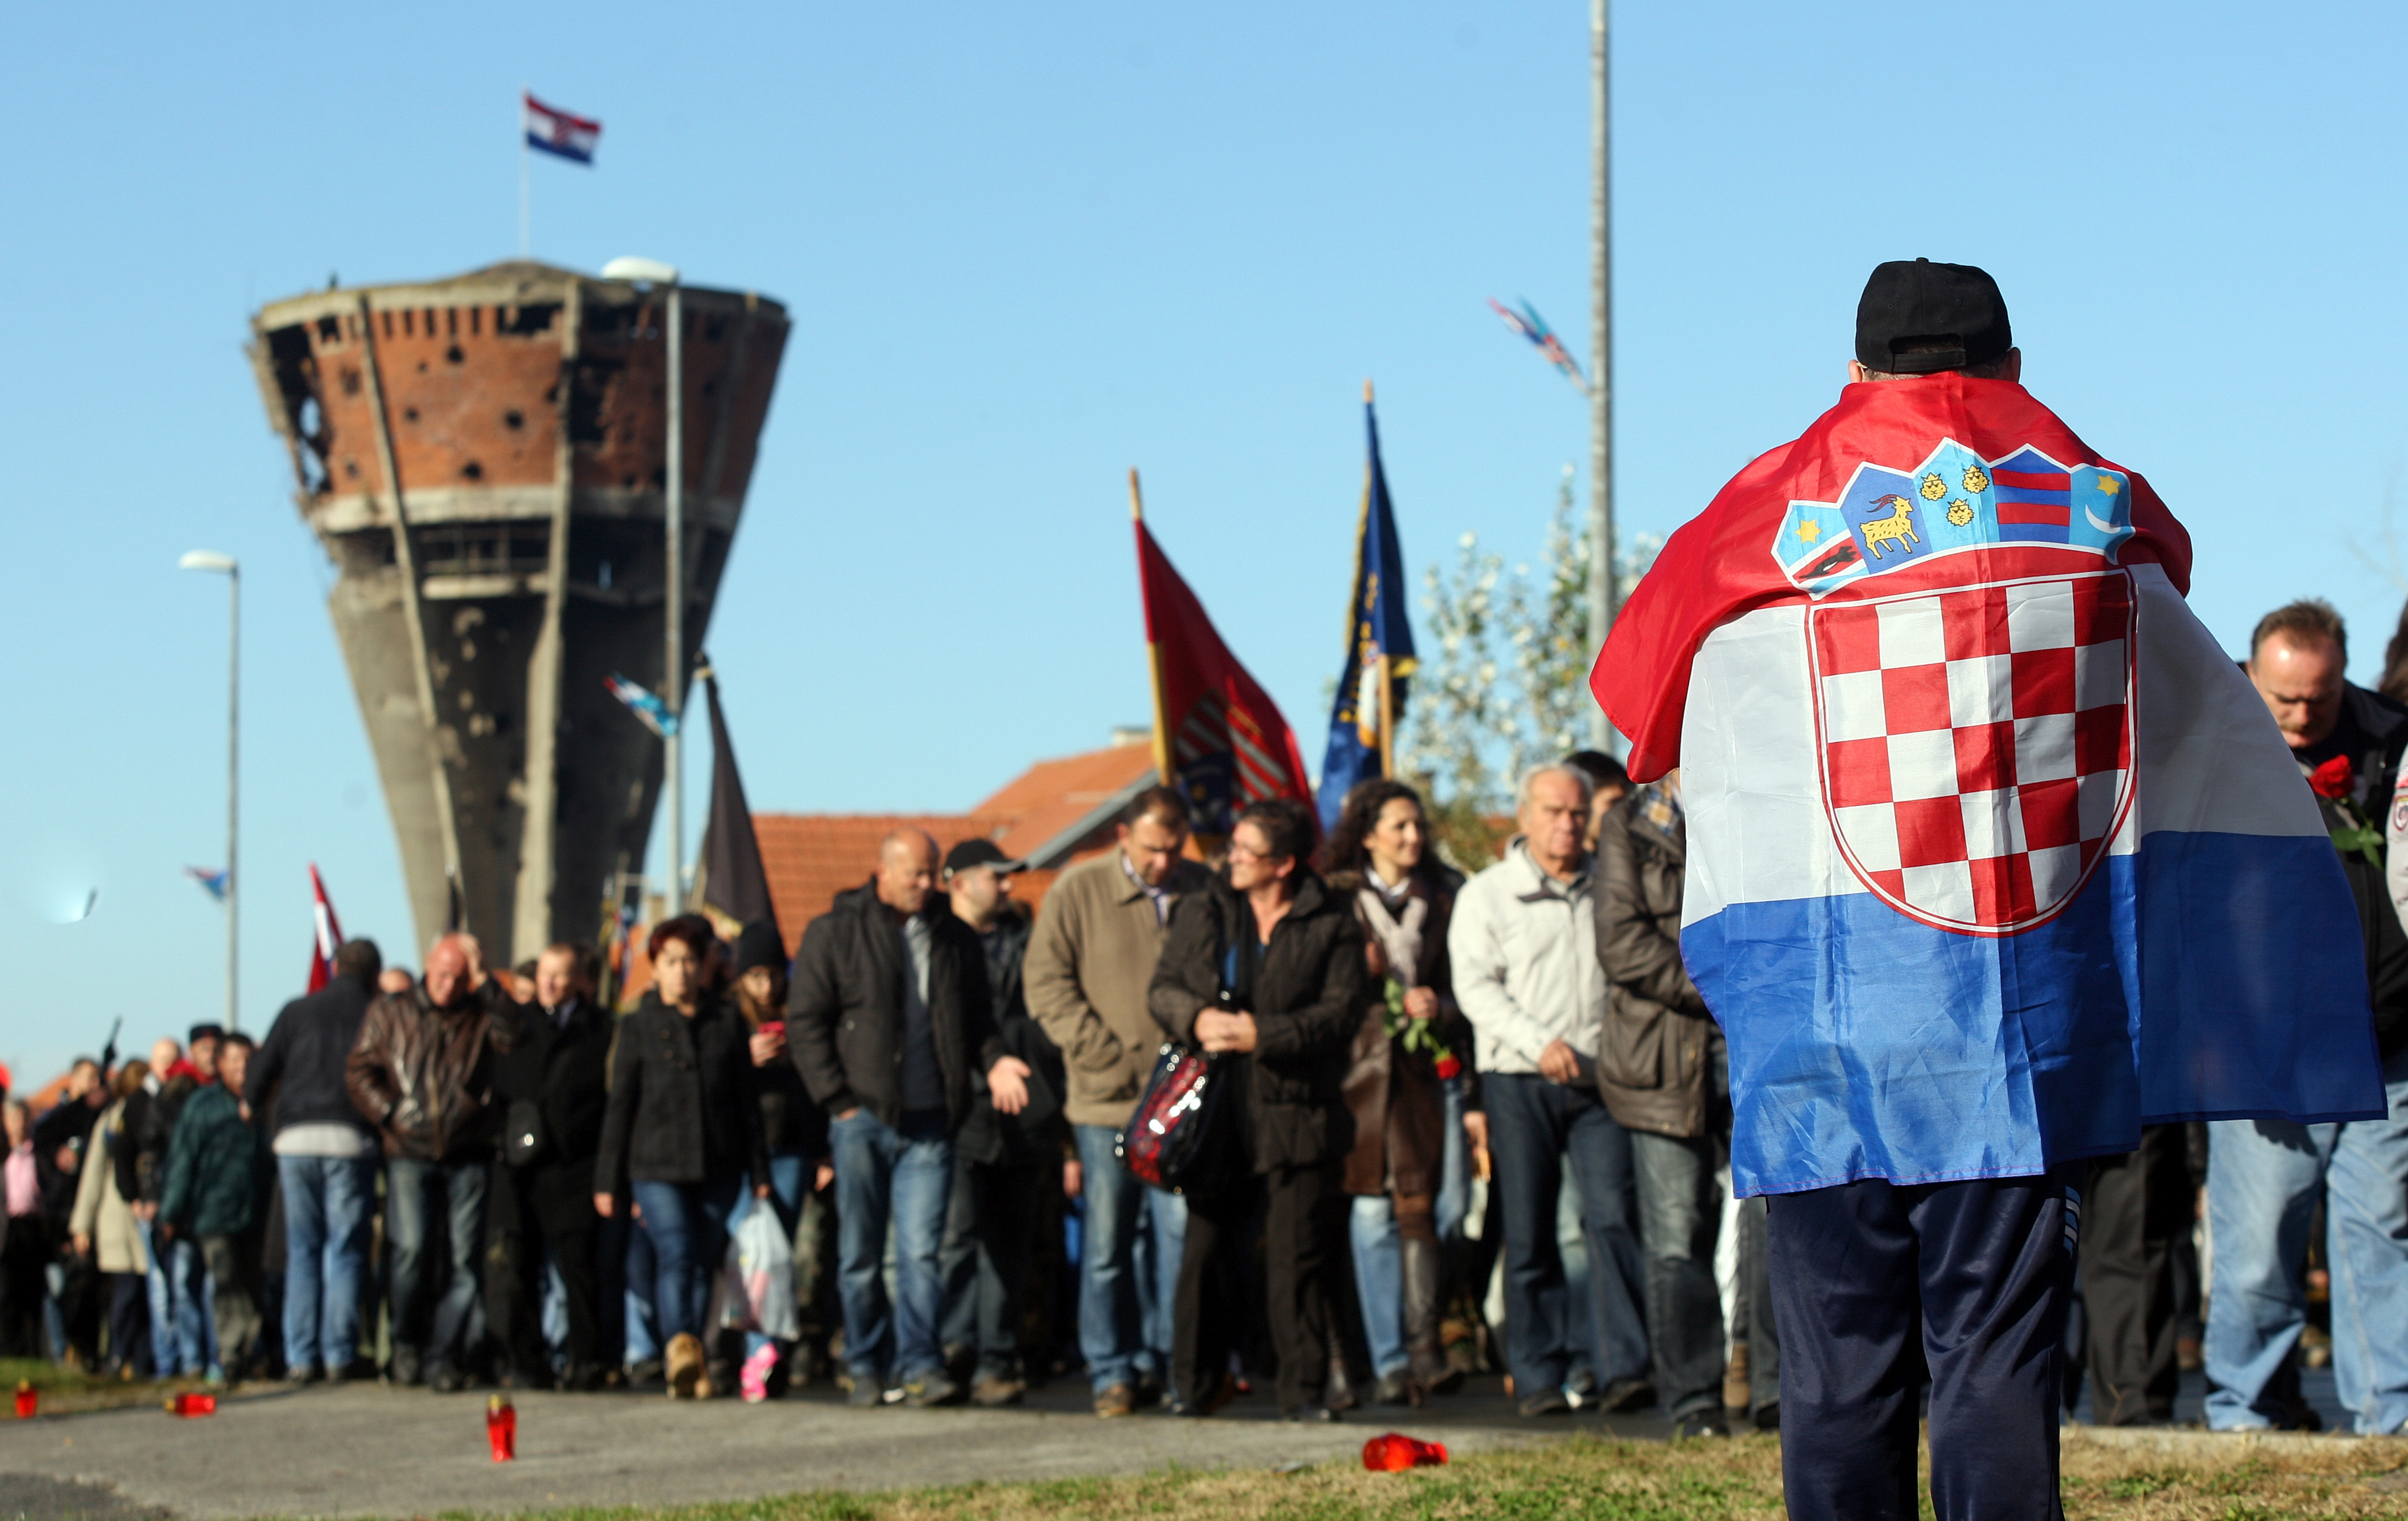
907, 870
450, 969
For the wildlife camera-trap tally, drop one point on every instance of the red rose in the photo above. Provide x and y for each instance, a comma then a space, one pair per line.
1448, 1067
2333, 779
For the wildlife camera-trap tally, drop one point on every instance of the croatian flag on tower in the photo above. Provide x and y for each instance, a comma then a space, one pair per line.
1994, 855
329, 936
563, 132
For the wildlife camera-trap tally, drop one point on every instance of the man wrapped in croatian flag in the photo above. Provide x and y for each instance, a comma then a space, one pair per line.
1994, 855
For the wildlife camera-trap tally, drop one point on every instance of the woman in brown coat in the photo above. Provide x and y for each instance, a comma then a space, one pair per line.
1413, 1045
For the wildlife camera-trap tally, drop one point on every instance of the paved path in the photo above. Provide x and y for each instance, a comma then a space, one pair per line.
364, 1450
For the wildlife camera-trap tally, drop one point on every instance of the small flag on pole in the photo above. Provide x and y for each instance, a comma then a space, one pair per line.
645, 704
329, 933
1379, 647
1530, 324
562, 132
213, 882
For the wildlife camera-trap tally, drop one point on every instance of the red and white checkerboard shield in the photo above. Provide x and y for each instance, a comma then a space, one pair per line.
1977, 743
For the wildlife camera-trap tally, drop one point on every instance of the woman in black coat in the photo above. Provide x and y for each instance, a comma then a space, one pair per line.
1265, 971
682, 1129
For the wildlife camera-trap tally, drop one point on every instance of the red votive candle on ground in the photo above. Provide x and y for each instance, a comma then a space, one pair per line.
502, 1428
1396, 1452
193, 1404
27, 1401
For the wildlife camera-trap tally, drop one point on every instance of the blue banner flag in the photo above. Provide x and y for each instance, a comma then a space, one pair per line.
1379, 646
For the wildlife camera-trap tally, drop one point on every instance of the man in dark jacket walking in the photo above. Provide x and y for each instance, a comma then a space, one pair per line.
551, 1088
326, 1162
421, 1073
216, 1194
2265, 1176
1663, 1072
999, 1163
888, 1015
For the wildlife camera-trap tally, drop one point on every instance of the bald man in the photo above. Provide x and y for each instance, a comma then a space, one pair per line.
421, 1073
889, 1020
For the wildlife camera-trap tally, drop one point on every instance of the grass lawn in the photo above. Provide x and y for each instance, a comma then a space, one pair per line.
1590, 1480
64, 1391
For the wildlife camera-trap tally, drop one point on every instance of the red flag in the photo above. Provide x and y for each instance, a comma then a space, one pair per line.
1226, 743
329, 934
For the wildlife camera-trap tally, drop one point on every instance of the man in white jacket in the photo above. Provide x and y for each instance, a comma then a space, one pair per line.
1524, 945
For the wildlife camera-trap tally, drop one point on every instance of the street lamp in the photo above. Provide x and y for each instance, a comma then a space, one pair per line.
226, 565
652, 272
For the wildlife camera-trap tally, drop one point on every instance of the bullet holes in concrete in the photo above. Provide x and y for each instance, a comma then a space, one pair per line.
455, 355
472, 471
514, 420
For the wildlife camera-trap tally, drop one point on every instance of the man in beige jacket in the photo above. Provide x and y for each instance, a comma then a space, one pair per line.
1089, 964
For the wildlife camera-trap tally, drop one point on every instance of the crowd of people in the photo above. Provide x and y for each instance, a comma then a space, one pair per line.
1472, 1123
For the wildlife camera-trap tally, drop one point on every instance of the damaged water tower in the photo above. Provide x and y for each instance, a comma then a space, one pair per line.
484, 460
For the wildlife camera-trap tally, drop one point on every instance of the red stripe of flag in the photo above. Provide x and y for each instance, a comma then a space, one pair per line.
2034, 512
2028, 480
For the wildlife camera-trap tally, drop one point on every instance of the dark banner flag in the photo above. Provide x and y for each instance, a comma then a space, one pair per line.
735, 888
1379, 647
1218, 736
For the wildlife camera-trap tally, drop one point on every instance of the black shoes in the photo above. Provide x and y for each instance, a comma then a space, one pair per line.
1701, 1423
1398, 1388
445, 1379
1625, 1394
1544, 1402
1310, 1414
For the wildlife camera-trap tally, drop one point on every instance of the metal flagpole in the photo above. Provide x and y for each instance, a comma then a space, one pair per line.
234, 794
1604, 589
527, 226
1152, 652
673, 688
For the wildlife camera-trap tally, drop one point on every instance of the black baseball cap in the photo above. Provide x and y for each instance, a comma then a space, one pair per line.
980, 852
1919, 318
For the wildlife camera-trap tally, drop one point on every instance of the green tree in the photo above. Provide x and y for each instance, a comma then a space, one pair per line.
1503, 683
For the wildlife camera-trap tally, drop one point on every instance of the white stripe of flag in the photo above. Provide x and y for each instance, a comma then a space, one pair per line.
563, 132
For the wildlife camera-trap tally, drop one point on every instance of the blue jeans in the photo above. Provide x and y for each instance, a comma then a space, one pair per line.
1455, 1168
411, 1190
1380, 1280
789, 1173
908, 1175
181, 1339
1124, 1324
687, 1224
328, 1204
2262, 1181
642, 1325
1534, 1126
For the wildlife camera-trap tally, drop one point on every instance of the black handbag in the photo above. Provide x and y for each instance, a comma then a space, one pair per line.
1177, 1136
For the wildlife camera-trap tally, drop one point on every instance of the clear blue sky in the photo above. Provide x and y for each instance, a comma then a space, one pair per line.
1027, 247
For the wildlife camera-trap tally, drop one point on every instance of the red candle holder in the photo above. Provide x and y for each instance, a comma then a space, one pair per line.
1396, 1452
193, 1405
502, 1428
27, 1401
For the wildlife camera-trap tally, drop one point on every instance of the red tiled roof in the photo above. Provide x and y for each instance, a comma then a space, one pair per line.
1057, 794
810, 857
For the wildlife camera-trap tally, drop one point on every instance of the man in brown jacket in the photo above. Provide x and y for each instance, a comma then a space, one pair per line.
1661, 1071
1088, 967
421, 1073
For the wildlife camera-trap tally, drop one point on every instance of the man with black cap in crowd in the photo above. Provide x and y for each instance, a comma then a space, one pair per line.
1909, 666
552, 1088
1000, 1163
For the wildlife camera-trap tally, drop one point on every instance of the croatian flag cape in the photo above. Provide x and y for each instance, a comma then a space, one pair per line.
1994, 855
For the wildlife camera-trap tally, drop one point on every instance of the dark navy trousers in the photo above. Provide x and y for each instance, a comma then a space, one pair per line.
1878, 1288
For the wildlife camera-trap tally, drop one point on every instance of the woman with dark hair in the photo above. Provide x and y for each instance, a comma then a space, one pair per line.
1411, 1090
682, 1129
1264, 972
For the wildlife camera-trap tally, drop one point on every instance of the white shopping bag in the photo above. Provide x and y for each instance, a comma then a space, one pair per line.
762, 1261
